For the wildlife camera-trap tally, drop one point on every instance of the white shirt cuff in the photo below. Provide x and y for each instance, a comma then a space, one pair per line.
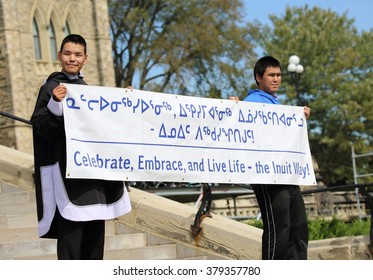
55, 107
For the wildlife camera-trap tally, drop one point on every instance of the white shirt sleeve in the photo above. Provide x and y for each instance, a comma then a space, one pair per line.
55, 107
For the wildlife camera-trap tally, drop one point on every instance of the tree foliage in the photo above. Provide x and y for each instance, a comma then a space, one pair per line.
204, 48
336, 84
197, 47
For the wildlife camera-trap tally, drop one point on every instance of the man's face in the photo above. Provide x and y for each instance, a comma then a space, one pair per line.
271, 80
72, 58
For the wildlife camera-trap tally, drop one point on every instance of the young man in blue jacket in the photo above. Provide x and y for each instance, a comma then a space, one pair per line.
285, 229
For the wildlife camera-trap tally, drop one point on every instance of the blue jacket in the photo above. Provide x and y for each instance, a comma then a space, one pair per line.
256, 95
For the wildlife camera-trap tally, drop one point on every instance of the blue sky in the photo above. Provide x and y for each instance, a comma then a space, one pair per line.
359, 10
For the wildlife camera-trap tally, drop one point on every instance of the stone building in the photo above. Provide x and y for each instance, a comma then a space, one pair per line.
30, 35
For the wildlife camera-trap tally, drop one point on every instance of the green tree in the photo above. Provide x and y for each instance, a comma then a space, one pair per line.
198, 47
336, 84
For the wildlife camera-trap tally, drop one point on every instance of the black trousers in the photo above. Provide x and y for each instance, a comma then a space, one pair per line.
285, 228
80, 240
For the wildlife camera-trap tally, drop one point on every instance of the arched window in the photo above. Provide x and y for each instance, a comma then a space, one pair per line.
66, 29
36, 35
52, 41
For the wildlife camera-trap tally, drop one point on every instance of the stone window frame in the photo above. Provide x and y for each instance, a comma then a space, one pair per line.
52, 41
63, 23
36, 36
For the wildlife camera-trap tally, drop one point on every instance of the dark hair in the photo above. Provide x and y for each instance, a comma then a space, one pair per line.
263, 63
74, 38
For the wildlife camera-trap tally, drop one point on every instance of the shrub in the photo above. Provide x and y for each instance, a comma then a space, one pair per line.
322, 228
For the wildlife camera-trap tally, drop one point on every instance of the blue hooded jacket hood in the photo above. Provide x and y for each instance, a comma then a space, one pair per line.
256, 95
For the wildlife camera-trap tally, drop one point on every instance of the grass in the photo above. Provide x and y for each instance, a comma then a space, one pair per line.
322, 228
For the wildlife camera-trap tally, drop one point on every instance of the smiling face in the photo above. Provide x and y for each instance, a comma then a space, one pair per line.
271, 80
72, 58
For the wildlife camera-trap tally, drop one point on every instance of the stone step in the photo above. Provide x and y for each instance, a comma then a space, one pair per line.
133, 254
159, 252
19, 250
121, 228
18, 221
38, 258
18, 208
130, 240
15, 198
18, 235
31, 233
110, 228
8, 188
46, 248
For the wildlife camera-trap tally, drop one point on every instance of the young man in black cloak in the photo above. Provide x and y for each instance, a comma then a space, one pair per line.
71, 210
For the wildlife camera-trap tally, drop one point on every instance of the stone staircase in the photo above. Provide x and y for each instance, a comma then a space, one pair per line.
19, 239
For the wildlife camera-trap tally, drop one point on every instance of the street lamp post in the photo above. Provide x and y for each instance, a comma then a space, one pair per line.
295, 70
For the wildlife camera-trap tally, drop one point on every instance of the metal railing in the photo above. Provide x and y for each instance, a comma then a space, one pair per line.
358, 176
10, 116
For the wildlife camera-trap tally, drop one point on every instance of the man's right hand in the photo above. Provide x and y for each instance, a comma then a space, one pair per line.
59, 93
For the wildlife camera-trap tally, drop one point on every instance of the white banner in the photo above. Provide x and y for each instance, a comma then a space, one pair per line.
119, 134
